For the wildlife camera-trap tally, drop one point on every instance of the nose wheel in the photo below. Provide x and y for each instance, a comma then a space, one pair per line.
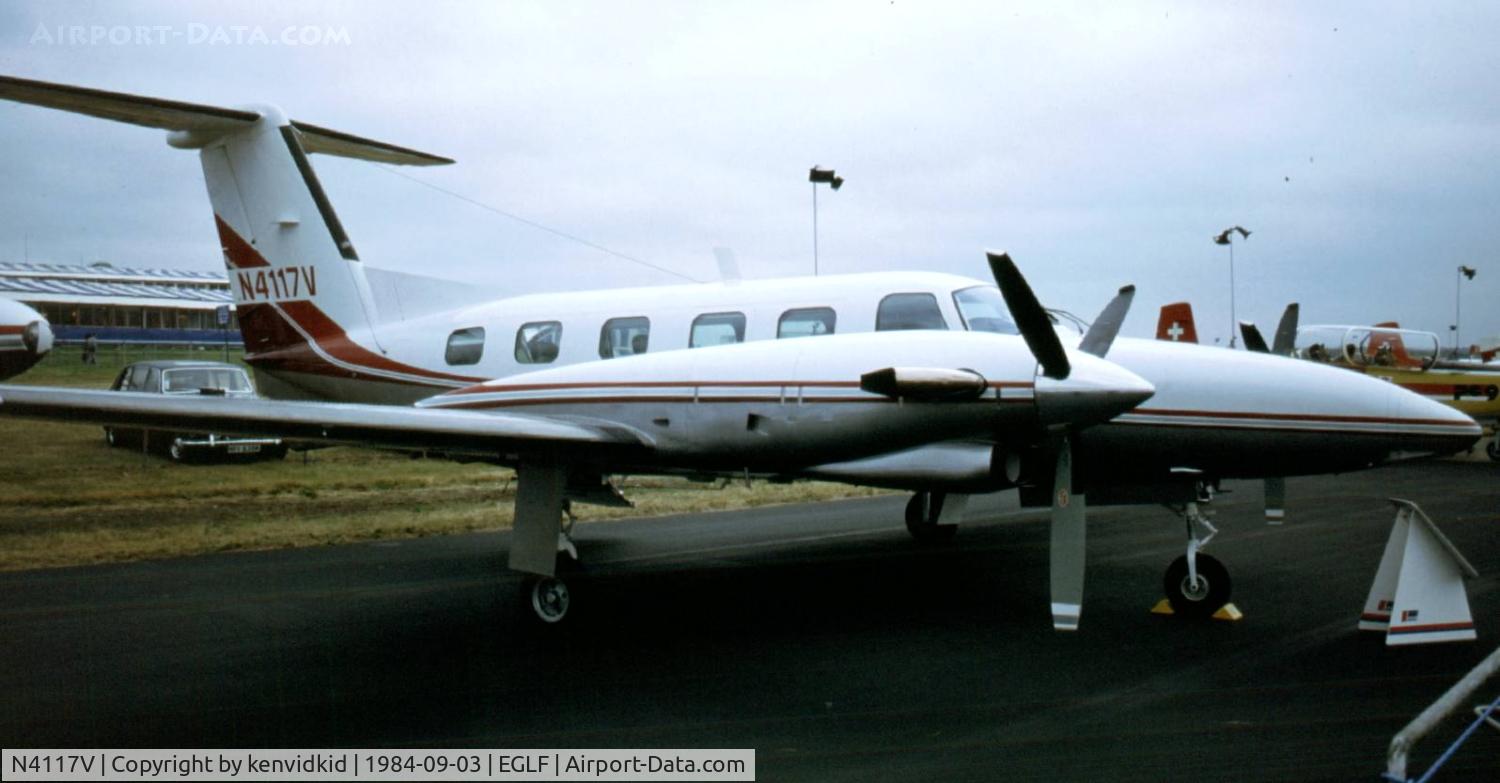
1196, 596
1197, 585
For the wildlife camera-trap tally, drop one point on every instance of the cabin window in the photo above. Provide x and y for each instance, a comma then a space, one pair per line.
624, 337
899, 312
717, 329
983, 310
806, 322
538, 342
465, 346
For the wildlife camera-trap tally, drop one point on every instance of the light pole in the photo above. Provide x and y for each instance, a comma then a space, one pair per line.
1458, 280
1223, 238
816, 175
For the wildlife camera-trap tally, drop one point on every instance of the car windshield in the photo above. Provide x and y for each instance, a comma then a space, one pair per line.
983, 310
188, 380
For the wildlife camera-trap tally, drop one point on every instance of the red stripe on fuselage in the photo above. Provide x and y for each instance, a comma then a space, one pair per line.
332, 339
503, 388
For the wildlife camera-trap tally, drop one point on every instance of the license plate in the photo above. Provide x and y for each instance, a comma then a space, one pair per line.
243, 448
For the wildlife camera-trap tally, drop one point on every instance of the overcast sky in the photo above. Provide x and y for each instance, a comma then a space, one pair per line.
1101, 144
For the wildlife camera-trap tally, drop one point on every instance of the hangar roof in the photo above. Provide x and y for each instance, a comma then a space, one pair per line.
101, 283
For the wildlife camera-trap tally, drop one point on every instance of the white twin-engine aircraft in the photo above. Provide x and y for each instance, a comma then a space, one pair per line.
25, 337
938, 384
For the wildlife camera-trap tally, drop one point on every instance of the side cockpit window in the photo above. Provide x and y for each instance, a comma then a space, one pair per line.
465, 346
538, 342
983, 310
900, 312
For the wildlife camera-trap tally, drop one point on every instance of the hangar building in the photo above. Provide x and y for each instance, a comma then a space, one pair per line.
124, 305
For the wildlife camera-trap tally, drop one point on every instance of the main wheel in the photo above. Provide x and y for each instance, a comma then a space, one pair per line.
177, 451
1200, 600
113, 438
547, 597
1492, 449
922, 513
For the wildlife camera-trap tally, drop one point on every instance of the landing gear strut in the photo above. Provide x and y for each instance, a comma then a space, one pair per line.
1197, 585
924, 513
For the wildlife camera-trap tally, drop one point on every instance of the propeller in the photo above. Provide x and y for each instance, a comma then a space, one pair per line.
1286, 337
1286, 332
1253, 339
1101, 334
1067, 551
1030, 318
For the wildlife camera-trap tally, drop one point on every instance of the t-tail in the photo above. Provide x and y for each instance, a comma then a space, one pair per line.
1176, 323
301, 293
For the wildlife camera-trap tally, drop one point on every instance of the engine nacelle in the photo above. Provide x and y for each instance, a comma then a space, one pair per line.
25, 337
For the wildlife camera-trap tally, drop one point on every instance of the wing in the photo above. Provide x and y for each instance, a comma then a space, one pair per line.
472, 432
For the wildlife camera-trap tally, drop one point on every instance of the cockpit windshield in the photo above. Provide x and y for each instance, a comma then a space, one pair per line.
984, 310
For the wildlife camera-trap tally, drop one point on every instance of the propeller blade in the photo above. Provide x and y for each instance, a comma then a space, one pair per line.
1286, 332
1253, 339
1031, 319
1067, 549
1275, 501
1102, 333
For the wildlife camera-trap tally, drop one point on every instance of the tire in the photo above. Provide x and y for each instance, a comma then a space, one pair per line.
547, 598
920, 511
113, 438
1492, 449
1211, 594
274, 453
177, 452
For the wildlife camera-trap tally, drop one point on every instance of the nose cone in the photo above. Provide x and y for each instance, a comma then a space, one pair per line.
1430, 426
38, 338
1094, 392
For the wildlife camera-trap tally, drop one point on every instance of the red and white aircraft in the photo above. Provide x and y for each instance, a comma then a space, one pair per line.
940, 384
25, 337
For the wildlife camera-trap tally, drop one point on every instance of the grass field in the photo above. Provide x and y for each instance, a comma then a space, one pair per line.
66, 498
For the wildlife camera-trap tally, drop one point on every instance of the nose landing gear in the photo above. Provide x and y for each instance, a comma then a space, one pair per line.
1197, 585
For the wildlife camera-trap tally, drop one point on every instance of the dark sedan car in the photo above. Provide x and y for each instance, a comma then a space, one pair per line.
190, 377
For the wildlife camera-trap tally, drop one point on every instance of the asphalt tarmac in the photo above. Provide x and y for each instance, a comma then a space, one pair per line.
820, 635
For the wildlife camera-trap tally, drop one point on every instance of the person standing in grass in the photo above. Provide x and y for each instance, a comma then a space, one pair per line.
90, 349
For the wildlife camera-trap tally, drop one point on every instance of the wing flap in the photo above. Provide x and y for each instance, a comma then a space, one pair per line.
333, 423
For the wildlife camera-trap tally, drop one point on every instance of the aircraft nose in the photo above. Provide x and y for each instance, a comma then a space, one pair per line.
1437, 427
1094, 392
37, 337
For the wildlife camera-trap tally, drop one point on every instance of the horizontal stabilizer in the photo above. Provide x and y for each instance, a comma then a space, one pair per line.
124, 107
199, 119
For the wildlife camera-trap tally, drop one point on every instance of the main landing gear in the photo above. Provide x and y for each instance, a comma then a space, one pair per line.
548, 597
1197, 585
932, 517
